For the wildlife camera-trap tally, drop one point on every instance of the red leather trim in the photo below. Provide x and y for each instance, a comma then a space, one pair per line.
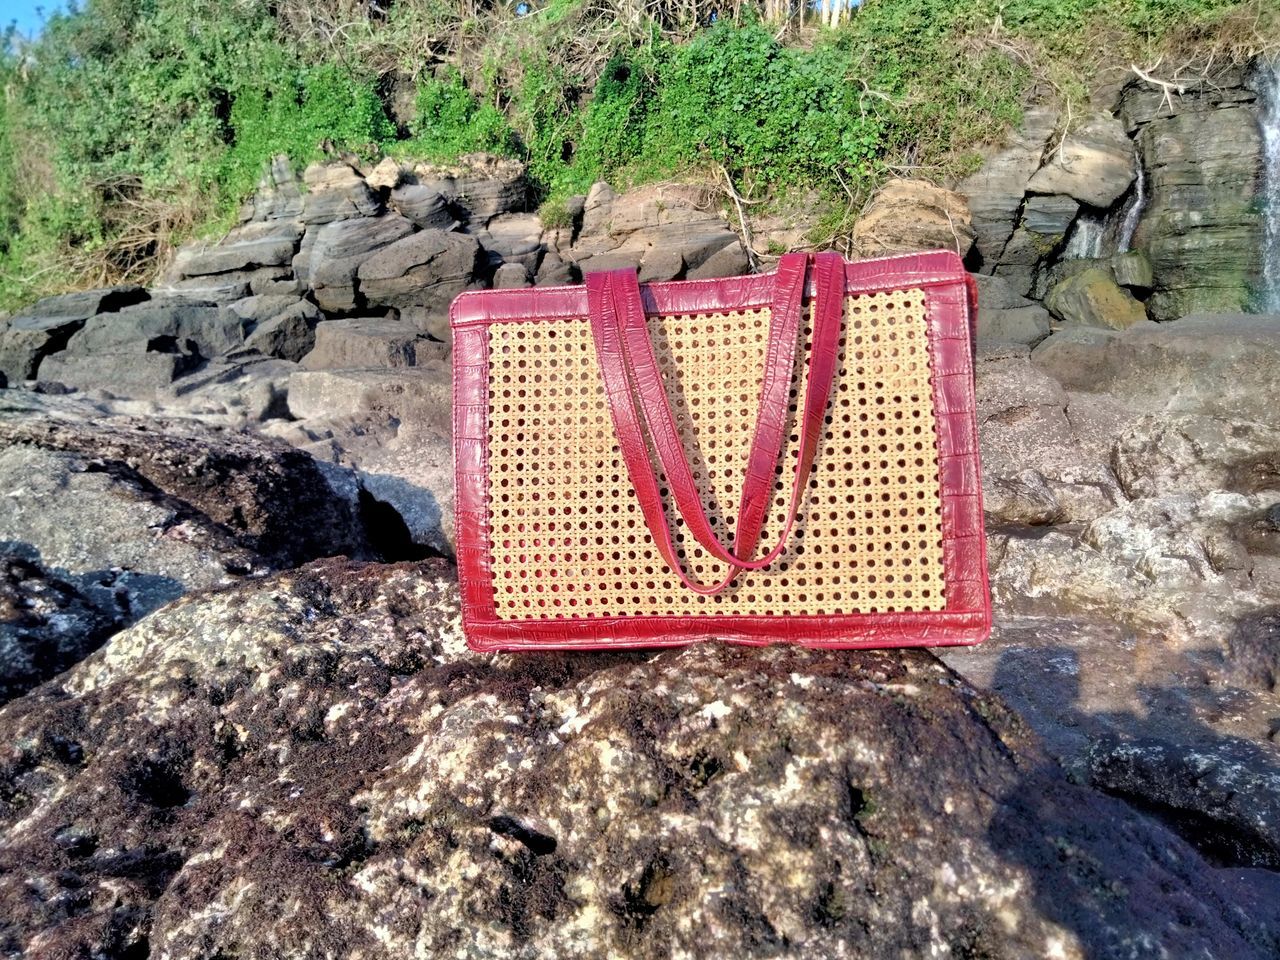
967, 617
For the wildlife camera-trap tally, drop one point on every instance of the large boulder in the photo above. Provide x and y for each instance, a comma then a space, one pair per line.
1094, 164
370, 342
910, 215
314, 757
269, 243
996, 190
1092, 298
427, 208
426, 269
288, 334
47, 325
479, 186
330, 264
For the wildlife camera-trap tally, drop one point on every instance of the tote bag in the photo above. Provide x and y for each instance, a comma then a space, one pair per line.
789, 457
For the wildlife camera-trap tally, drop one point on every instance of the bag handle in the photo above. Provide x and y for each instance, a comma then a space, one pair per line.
625, 352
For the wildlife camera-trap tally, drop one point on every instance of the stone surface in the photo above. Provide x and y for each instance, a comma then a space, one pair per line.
289, 334
315, 760
136, 372
1094, 163
370, 342
478, 186
1200, 226
1029, 324
425, 207
49, 621
1049, 217
332, 263
196, 329
279, 194
511, 276
44, 327
1132, 269
335, 192
911, 215
425, 269
1092, 299
391, 425
995, 192
270, 243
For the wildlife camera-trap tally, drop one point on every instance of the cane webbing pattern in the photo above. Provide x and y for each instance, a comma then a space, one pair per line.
568, 538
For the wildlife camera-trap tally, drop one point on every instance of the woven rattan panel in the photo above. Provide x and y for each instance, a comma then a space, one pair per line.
567, 534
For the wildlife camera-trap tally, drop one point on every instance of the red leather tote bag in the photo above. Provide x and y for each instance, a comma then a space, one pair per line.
789, 457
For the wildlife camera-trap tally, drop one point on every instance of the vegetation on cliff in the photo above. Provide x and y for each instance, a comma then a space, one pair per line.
131, 123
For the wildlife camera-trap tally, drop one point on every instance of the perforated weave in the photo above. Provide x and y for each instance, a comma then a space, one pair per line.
569, 539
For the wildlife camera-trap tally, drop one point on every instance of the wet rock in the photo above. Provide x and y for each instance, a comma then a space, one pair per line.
1094, 163
336, 192
1200, 226
317, 750
370, 342
1049, 216
910, 215
1132, 270
1092, 299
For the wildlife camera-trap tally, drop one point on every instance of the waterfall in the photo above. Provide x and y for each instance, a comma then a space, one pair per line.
1269, 122
1085, 242
1133, 210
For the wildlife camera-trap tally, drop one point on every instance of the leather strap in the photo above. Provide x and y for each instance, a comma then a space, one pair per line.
624, 350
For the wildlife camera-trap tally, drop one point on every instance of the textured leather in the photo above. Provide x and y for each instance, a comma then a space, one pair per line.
950, 313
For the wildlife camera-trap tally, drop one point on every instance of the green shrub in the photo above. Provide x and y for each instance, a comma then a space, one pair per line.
450, 121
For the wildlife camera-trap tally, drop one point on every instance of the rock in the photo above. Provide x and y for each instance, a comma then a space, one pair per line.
132, 371
1132, 270
1049, 217
597, 209
279, 194
1094, 164
327, 720
1221, 366
995, 192
386, 175
370, 342
83, 304
480, 186
554, 272
48, 621
1029, 324
393, 426
289, 334
183, 490
235, 392
340, 248
909, 215
46, 326
426, 269
195, 329
263, 244
1024, 497
510, 276
426, 208
1226, 799
335, 192
1023, 253
216, 288
1092, 299
512, 238
284, 284
1200, 225
261, 308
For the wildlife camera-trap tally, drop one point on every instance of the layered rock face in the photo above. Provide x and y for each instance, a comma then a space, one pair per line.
312, 765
